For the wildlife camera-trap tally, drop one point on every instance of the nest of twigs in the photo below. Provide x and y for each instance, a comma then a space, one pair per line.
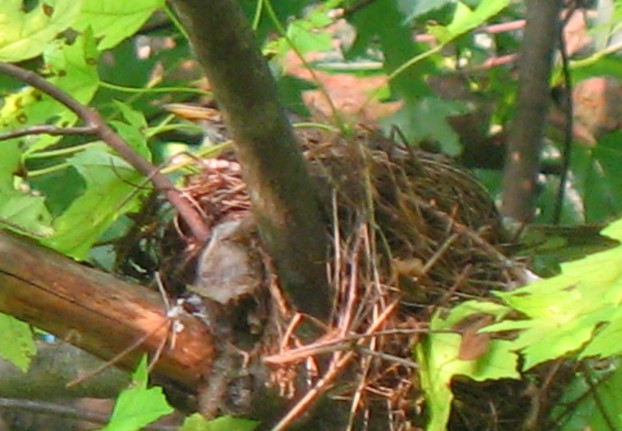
412, 232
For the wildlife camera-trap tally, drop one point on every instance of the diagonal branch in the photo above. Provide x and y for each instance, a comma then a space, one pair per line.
99, 313
93, 120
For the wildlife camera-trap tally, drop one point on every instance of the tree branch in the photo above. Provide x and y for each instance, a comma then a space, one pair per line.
92, 119
284, 200
527, 132
46, 129
99, 313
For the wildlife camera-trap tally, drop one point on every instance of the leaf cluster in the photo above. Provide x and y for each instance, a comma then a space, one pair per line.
573, 316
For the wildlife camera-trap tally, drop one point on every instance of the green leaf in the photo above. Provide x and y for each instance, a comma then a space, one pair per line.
25, 214
415, 8
304, 36
466, 19
384, 20
134, 131
16, 342
427, 119
111, 190
138, 405
196, 422
24, 35
20, 211
584, 403
600, 344
74, 66
563, 312
113, 21
10, 158
438, 356
74, 71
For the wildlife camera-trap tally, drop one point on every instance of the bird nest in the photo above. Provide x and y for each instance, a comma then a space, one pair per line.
412, 233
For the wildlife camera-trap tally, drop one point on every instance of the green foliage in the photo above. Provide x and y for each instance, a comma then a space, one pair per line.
21, 347
595, 398
575, 314
114, 20
574, 311
111, 185
60, 191
424, 115
440, 357
26, 34
108, 183
138, 405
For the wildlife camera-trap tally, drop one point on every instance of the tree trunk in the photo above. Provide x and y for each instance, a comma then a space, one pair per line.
284, 199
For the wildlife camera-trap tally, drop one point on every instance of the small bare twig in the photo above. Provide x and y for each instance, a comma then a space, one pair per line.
172, 329
120, 355
46, 129
97, 126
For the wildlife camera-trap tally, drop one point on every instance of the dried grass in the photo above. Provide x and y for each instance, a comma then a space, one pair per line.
412, 232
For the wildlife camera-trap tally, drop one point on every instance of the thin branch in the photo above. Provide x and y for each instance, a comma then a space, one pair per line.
94, 121
568, 122
48, 130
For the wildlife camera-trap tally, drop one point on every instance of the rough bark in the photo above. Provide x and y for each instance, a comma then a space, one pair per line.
527, 131
99, 313
284, 200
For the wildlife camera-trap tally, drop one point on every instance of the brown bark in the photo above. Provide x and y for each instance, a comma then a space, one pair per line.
284, 201
527, 133
98, 313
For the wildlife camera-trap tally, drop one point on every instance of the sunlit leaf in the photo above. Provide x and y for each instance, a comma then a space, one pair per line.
24, 35
25, 214
10, 157
75, 72
562, 313
112, 189
16, 342
466, 19
138, 405
439, 359
115, 20
304, 36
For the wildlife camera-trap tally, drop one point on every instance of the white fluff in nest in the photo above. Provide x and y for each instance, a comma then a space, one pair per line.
228, 269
